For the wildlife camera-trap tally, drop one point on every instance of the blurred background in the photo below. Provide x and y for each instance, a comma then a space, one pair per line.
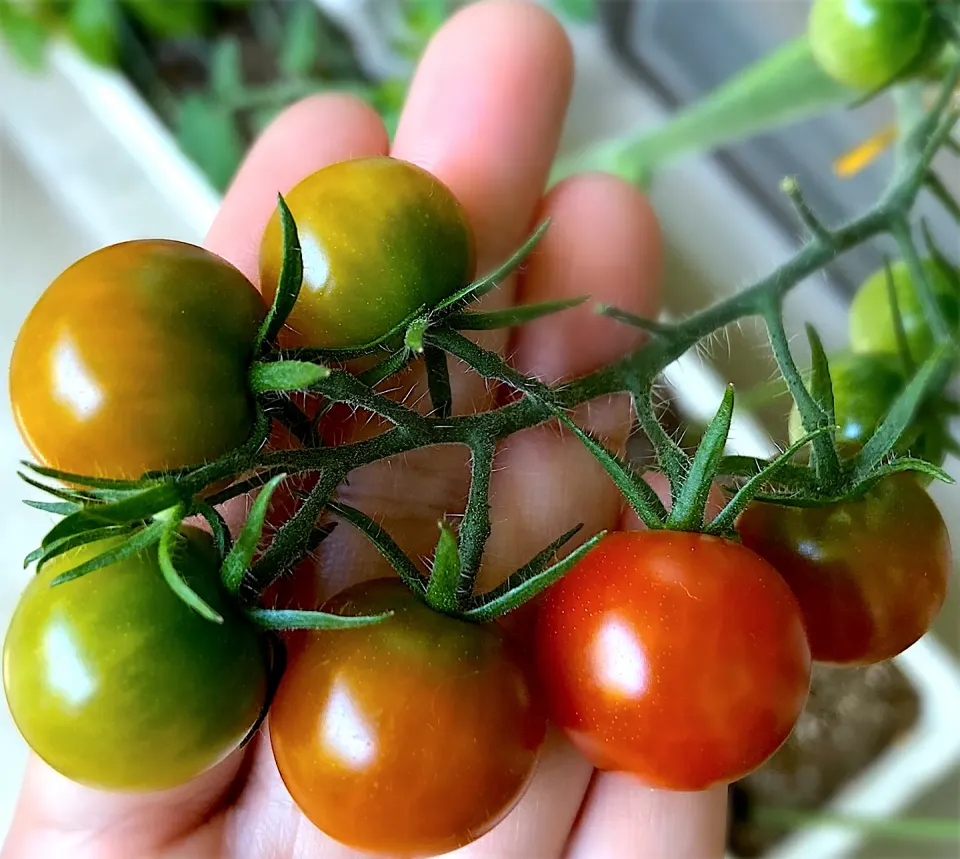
126, 120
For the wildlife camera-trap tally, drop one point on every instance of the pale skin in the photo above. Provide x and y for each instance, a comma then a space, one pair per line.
484, 115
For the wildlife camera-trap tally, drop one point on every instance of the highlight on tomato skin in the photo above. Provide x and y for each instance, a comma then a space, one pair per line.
136, 359
676, 657
117, 684
411, 737
380, 238
870, 575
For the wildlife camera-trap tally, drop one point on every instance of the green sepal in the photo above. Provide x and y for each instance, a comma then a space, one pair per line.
134, 508
289, 282
445, 574
58, 508
271, 376
398, 360
237, 561
901, 413
689, 507
821, 385
723, 523
638, 493
43, 554
84, 480
290, 619
176, 582
529, 580
142, 539
489, 320
384, 544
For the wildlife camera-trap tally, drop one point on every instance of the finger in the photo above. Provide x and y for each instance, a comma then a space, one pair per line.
484, 118
625, 820
309, 135
303, 139
604, 238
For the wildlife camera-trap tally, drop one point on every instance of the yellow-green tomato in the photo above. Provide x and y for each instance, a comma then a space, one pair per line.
865, 44
380, 237
135, 359
872, 326
117, 684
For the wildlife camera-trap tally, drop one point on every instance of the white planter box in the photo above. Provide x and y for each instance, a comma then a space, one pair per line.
109, 161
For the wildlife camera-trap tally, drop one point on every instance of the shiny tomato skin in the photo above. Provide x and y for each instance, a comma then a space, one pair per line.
117, 684
380, 237
408, 738
136, 359
870, 575
871, 321
867, 43
676, 657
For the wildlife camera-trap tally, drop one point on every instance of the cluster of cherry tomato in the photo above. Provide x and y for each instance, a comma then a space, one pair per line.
679, 657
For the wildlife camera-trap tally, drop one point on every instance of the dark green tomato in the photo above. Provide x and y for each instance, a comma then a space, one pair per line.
117, 684
870, 575
872, 326
136, 359
865, 44
380, 238
410, 737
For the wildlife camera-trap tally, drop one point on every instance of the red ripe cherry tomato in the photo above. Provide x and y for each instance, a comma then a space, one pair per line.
678, 657
136, 359
870, 575
413, 736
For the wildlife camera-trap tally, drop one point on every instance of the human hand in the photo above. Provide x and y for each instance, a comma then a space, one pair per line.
484, 115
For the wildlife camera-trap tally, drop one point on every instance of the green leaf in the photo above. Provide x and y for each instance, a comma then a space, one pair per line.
207, 132
92, 25
281, 619
438, 381
226, 73
784, 86
171, 18
493, 319
691, 503
289, 282
821, 385
176, 582
140, 540
25, 34
445, 574
286, 376
383, 543
530, 580
300, 48
237, 562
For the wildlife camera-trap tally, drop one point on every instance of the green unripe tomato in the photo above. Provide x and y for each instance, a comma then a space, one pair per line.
117, 684
380, 238
865, 44
871, 315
